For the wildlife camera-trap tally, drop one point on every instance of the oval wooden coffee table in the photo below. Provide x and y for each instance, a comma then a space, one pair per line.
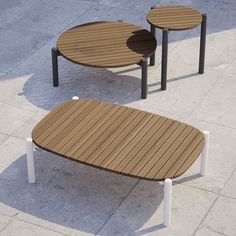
105, 45
176, 18
119, 139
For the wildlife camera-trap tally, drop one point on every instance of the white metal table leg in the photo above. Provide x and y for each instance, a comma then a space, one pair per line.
167, 201
75, 98
30, 160
204, 156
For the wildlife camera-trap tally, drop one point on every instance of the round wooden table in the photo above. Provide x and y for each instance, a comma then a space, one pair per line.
106, 45
176, 18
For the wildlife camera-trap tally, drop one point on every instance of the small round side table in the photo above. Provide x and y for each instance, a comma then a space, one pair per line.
176, 18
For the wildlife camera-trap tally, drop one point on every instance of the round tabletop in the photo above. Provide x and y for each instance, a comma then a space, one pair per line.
106, 44
174, 17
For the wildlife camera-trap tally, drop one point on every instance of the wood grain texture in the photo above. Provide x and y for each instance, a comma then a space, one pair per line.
174, 17
119, 139
106, 44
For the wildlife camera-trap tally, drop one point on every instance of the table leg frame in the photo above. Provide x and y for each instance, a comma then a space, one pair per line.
153, 31
165, 33
152, 58
55, 54
202, 44
143, 64
30, 160
167, 202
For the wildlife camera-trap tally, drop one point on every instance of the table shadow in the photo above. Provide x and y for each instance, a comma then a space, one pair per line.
85, 82
78, 197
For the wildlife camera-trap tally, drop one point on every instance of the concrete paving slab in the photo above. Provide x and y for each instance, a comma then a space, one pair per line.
18, 50
7, 210
21, 228
34, 31
80, 233
223, 109
10, 151
221, 217
14, 196
14, 119
3, 138
221, 161
4, 221
141, 212
15, 88
87, 202
10, 10
217, 52
230, 187
29, 218
202, 231
186, 89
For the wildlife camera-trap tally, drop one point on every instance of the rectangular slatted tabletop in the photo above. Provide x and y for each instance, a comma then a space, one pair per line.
120, 139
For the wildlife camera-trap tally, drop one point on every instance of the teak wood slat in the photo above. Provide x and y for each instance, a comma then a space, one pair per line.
106, 44
119, 139
174, 17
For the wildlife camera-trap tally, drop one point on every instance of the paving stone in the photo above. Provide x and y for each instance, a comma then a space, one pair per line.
221, 161
4, 220
221, 217
34, 31
14, 119
87, 201
180, 98
10, 151
21, 228
29, 218
16, 91
6, 210
202, 231
3, 138
10, 10
223, 109
217, 52
14, 197
230, 187
80, 233
141, 212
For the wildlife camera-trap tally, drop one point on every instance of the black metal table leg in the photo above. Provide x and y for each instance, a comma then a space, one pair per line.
152, 58
164, 58
202, 44
153, 31
143, 64
55, 54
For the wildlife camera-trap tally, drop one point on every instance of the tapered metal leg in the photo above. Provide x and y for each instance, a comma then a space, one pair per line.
30, 160
202, 44
152, 58
144, 78
55, 54
153, 31
164, 58
167, 202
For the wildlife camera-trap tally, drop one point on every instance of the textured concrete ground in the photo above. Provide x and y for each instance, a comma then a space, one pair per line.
72, 199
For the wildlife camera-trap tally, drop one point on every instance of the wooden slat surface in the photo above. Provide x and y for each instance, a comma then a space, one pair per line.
106, 44
120, 139
174, 17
